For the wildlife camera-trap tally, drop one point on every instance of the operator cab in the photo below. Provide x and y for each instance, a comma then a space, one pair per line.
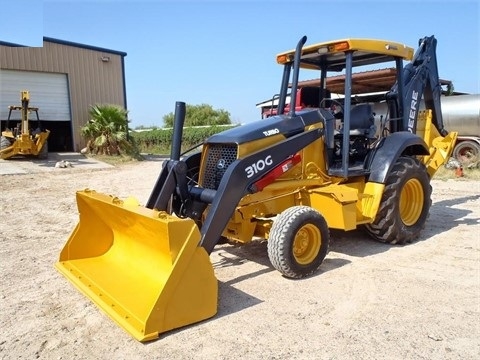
350, 139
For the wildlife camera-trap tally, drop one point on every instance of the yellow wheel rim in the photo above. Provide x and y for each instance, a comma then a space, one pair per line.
411, 202
307, 244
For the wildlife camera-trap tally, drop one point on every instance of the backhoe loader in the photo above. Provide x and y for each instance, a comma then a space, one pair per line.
22, 139
289, 178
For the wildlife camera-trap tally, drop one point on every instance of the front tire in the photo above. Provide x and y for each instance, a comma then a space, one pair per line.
405, 203
298, 241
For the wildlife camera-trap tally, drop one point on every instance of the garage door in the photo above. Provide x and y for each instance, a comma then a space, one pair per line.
48, 92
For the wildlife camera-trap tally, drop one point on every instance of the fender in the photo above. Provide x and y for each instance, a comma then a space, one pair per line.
384, 156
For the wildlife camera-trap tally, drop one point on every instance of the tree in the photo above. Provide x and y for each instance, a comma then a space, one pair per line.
106, 131
200, 115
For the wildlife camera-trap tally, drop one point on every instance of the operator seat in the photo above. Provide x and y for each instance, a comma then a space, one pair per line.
362, 121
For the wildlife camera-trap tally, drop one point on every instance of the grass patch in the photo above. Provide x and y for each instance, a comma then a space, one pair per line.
155, 149
117, 159
446, 174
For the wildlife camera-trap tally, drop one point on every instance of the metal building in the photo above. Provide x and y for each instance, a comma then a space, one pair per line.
64, 79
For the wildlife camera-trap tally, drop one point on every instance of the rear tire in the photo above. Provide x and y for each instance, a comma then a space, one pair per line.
43, 154
405, 203
298, 241
467, 152
4, 142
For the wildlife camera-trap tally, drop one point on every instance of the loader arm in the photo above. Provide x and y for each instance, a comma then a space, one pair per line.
236, 182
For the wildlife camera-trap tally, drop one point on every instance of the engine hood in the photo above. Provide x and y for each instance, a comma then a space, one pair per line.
279, 124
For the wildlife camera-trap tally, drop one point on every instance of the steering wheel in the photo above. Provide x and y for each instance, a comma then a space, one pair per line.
339, 114
336, 102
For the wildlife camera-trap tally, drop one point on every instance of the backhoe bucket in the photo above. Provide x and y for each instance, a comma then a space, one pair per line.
143, 267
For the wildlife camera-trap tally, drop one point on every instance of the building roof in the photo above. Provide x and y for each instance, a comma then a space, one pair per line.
369, 84
69, 43
363, 82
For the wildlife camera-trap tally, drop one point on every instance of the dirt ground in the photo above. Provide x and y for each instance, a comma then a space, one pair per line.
368, 301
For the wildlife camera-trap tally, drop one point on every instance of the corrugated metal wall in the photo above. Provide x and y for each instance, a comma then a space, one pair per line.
91, 80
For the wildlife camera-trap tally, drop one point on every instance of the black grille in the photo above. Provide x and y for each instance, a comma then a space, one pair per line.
219, 158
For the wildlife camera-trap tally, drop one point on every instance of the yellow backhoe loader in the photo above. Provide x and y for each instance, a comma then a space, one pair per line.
22, 139
289, 179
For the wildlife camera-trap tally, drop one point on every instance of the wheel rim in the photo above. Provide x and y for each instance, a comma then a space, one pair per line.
307, 243
467, 154
411, 202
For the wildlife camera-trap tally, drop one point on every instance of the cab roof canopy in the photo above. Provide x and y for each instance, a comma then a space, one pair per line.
332, 54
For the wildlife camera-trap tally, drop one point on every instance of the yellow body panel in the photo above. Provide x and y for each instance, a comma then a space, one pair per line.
144, 268
344, 205
337, 204
371, 198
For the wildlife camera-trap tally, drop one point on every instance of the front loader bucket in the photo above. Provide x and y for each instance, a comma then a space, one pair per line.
143, 267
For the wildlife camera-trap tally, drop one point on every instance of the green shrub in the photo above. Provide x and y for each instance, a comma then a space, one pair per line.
159, 141
106, 131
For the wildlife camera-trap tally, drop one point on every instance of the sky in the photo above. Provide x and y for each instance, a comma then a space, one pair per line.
222, 53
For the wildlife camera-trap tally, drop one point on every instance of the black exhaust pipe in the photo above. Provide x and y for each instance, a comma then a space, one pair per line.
166, 182
296, 70
178, 123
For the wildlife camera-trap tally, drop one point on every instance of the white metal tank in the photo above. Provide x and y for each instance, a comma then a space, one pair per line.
461, 113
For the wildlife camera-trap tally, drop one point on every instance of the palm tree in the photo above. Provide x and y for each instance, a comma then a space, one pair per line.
106, 132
